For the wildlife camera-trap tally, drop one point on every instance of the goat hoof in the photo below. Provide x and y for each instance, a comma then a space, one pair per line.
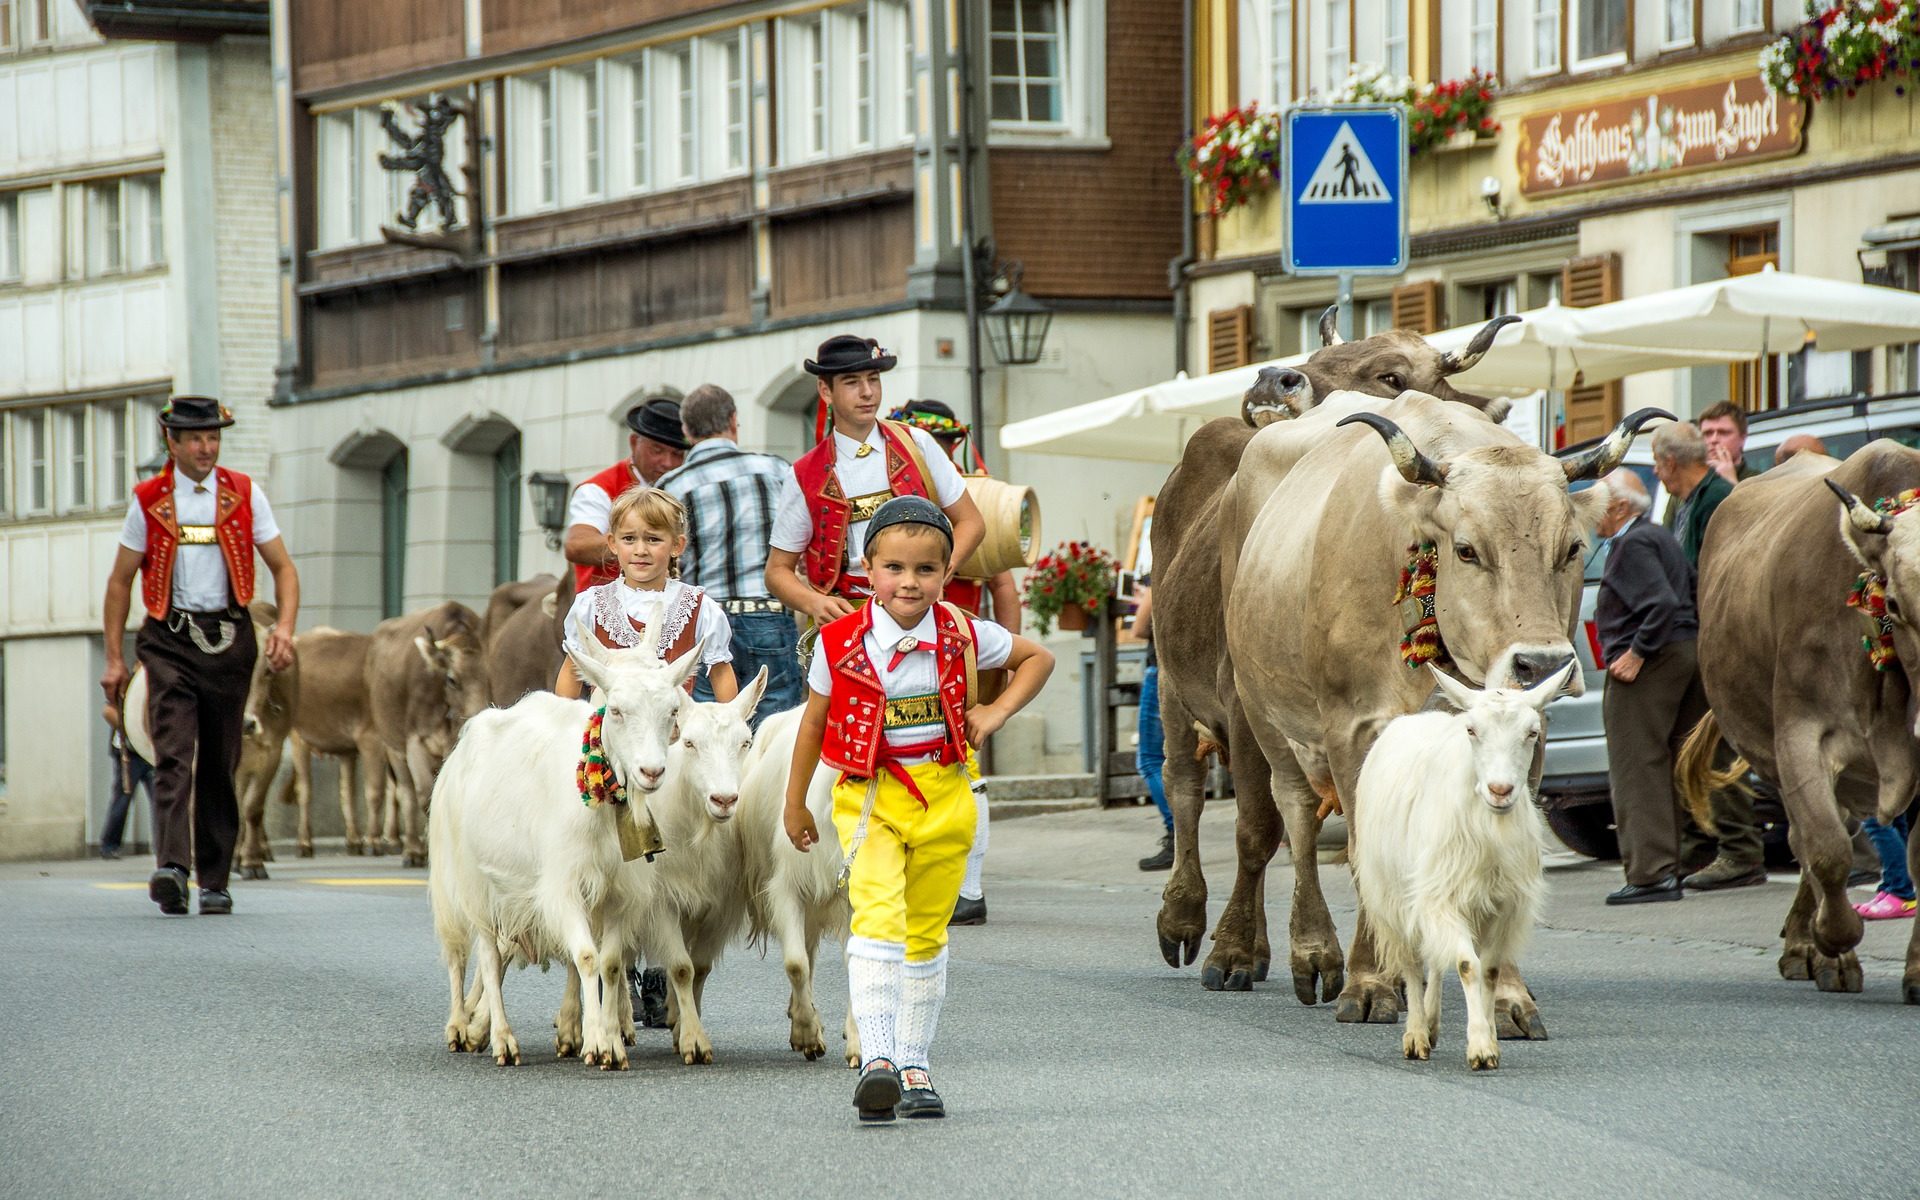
1372, 1002
1485, 1061
306, 850
1841, 974
1796, 963
253, 872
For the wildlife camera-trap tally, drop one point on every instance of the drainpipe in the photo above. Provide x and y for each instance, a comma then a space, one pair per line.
1177, 269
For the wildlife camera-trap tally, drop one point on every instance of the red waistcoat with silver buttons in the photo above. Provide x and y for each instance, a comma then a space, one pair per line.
232, 532
828, 505
857, 710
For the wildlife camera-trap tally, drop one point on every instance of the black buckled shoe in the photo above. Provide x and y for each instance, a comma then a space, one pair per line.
918, 1100
168, 888
215, 903
969, 912
1647, 893
878, 1091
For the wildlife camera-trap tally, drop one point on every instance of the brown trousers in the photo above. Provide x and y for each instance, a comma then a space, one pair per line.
195, 705
1646, 721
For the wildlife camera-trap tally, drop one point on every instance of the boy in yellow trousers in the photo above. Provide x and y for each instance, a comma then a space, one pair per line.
890, 710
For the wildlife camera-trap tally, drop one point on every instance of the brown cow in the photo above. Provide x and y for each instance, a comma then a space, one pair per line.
332, 717
522, 640
272, 702
426, 676
1196, 676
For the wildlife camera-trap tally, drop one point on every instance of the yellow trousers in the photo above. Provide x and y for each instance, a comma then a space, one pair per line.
906, 875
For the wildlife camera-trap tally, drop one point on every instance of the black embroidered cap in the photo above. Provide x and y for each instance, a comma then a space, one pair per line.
908, 510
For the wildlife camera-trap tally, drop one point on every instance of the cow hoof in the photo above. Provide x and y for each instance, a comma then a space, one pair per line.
253, 872
1373, 1002
1797, 963
306, 850
1322, 969
1911, 987
1840, 974
1518, 1022
1260, 969
415, 860
1180, 952
356, 849
266, 855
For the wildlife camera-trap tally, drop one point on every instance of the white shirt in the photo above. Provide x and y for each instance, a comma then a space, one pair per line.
793, 527
919, 672
591, 505
200, 582
716, 645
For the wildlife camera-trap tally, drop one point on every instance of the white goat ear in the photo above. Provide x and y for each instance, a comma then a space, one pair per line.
594, 673
1458, 694
749, 697
682, 668
1547, 690
589, 645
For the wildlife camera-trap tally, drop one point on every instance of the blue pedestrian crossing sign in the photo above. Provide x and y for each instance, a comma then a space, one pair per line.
1345, 174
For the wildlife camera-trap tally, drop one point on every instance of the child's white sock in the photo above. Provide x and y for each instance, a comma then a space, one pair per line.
970, 888
921, 993
874, 983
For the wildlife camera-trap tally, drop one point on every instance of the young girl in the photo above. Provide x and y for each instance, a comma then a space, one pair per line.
889, 710
649, 530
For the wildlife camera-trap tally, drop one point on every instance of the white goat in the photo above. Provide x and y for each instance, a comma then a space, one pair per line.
1447, 860
791, 896
519, 865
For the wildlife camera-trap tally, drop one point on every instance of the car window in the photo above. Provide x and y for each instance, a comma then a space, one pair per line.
1597, 559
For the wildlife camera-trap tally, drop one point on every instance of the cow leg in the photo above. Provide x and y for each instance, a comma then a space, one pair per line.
1796, 935
1819, 839
566, 1025
1183, 903
305, 800
1515, 1015
1237, 956
505, 1047
420, 769
1313, 951
253, 849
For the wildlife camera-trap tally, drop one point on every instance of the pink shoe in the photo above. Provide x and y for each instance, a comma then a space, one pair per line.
1885, 906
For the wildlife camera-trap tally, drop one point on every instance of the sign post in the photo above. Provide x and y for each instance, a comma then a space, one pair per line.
1344, 171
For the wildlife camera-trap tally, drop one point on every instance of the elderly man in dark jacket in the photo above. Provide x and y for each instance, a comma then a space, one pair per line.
1653, 699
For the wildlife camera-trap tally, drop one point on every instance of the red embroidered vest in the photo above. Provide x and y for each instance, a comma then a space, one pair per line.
614, 480
857, 710
232, 532
829, 506
682, 642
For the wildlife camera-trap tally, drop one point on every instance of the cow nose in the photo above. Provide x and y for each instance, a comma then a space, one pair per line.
1291, 380
1533, 666
250, 725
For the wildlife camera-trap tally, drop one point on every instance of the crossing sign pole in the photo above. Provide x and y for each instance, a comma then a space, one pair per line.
1344, 173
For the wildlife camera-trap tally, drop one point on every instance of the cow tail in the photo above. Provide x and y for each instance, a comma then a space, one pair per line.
1697, 779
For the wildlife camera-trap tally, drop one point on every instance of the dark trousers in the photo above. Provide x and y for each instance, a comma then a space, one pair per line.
130, 773
1739, 839
1646, 721
195, 704
763, 640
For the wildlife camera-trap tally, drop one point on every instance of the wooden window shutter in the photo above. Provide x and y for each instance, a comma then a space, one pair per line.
1592, 410
1229, 338
1416, 306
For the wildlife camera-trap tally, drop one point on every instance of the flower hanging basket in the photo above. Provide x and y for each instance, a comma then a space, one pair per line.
1069, 586
1074, 618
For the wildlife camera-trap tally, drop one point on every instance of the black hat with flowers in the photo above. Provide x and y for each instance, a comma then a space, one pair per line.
935, 417
195, 412
844, 354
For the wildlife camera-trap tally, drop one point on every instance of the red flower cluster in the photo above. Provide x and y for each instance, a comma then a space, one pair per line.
1842, 46
1234, 155
1451, 106
1074, 573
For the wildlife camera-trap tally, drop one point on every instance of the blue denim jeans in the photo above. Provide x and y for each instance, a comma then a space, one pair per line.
138, 774
1890, 843
1152, 753
763, 640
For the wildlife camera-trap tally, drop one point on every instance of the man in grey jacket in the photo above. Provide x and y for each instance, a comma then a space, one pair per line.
1647, 628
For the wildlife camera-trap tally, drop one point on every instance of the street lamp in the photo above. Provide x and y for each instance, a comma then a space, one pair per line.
1017, 325
548, 492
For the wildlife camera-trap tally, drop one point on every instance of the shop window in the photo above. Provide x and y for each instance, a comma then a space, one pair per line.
393, 536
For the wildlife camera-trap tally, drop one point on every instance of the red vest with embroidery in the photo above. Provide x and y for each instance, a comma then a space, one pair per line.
614, 480
857, 710
682, 642
829, 506
232, 532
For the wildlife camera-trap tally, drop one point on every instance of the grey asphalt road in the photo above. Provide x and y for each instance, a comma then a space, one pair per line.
294, 1050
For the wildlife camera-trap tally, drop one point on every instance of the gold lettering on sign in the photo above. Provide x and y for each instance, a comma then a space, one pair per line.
1657, 134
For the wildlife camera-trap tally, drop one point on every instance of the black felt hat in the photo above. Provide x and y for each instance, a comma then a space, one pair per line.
907, 510
845, 354
934, 416
195, 412
658, 420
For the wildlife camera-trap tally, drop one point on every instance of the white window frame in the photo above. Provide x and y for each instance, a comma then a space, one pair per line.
1669, 40
736, 106
1483, 35
860, 75
901, 19
41, 24
9, 38
1612, 58
11, 268
25, 420
1336, 48
685, 89
813, 42
1542, 12
1023, 82
632, 87
1756, 22
1083, 87
75, 451
1396, 53
581, 145
112, 452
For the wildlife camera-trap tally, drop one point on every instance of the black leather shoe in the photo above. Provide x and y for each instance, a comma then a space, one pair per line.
110, 854
878, 1091
1647, 893
168, 888
918, 1100
1861, 877
1162, 859
215, 903
969, 912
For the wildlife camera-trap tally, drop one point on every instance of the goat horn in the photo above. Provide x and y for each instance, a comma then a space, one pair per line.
1453, 364
1864, 519
1414, 466
1607, 455
1330, 327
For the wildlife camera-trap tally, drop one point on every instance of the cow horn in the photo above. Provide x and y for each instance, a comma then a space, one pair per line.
1414, 466
1453, 364
1330, 327
1864, 519
1607, 455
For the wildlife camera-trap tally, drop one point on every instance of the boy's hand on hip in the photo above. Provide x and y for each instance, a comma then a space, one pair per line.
983, 721
800, 828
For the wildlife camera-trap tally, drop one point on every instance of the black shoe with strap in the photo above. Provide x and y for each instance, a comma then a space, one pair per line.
1163, 859
918, 1100
878, 1091
168, 888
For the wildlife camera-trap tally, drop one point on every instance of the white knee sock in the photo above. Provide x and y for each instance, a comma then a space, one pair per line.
874, 987
921, 992
977, 857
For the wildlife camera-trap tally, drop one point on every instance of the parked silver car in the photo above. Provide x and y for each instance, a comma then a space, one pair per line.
1573, 788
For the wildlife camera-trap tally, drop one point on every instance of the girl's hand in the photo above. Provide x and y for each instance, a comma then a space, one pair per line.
800, 828
983, 721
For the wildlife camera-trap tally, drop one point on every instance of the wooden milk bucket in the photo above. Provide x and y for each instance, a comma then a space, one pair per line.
1012, 540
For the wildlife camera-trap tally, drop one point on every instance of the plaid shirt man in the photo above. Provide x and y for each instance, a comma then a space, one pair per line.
730, 497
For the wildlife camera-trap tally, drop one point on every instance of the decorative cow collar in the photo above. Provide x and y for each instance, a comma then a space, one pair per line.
598, 783
1422, 642
1869, 593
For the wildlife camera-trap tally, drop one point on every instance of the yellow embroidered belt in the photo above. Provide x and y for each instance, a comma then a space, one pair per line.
862, 508
197, 535
909, 711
